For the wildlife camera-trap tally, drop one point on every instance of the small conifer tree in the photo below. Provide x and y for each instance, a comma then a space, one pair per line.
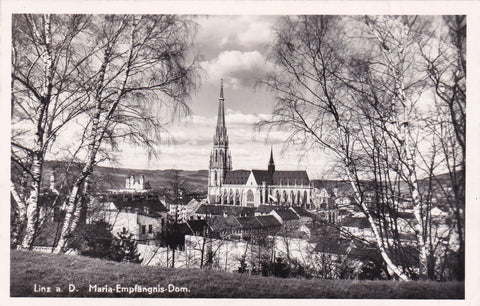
128, 247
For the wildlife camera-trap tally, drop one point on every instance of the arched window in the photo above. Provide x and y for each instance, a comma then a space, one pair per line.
237, 198
225, 197
304, 197
284, 197
216, 155
250, 197
277, 196
292, 198
214, 177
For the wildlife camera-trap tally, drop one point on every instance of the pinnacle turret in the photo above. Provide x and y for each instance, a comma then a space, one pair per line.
271, 163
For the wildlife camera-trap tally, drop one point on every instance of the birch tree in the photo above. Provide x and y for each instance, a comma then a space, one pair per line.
46, 66
142, 65
350, 86
446, 62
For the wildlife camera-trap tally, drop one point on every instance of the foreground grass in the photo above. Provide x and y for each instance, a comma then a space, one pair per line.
31, 270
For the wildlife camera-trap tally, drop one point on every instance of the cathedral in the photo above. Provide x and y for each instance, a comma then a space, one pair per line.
251, 187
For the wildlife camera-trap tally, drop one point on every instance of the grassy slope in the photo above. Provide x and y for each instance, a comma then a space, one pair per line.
29, 268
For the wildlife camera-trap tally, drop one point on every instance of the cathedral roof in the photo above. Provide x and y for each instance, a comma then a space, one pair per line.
262, 176
240, 177
290, 178
237, 177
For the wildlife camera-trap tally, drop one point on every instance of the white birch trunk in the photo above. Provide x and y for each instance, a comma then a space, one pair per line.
386, 258
403, 128
21, 210
32, 206
37, 164
96, 136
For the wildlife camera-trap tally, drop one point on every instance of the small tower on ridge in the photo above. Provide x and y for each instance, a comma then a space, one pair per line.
271, 163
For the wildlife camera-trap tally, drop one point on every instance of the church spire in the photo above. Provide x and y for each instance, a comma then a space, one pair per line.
271, 163
220, 159
221, 88
221, 111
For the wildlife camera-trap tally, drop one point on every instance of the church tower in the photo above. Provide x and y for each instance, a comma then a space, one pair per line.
220, 159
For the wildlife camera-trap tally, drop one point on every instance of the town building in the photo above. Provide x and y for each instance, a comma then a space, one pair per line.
251, 187
135, 209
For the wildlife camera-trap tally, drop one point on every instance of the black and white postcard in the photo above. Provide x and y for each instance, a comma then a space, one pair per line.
306, 150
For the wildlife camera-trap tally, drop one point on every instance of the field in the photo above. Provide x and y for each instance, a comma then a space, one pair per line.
33, 273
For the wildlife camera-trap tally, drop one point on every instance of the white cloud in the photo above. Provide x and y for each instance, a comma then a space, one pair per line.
222, 32
237, 68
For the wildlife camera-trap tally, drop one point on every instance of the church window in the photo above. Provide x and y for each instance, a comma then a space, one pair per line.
144, 229
250, 197
150, 229
237, 198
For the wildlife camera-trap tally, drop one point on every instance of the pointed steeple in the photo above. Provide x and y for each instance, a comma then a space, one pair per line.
271, 163
221, 130
220, 158
221, 111
221, 89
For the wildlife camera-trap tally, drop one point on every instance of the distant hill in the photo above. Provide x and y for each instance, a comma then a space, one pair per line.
114, 178
196, 181
344, 187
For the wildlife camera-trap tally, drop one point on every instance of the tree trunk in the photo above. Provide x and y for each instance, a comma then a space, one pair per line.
386, 258
21, 211
32, 204
38, 151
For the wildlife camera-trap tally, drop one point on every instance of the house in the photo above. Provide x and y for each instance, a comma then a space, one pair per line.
207, 210
305, 217
141, 215
243, 227
286, 217
358, 226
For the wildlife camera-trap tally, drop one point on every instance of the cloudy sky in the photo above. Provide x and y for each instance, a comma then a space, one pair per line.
233, 48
